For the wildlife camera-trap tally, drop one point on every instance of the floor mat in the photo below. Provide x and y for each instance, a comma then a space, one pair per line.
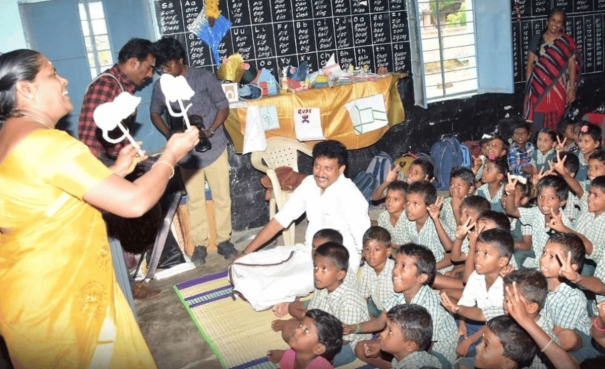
239, 336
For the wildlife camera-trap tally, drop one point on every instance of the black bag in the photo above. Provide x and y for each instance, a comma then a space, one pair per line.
171, 254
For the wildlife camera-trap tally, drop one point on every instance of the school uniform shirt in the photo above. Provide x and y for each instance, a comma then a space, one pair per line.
444, 326
346, 304
592, 228
416, 360
427, 237
566, 305
341, 207
447, 216
494, 202
540, 233
540, 161
582, 174
377, 286
397, 231
574, 204
475, 292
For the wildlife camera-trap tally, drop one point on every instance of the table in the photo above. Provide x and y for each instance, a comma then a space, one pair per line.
335, 120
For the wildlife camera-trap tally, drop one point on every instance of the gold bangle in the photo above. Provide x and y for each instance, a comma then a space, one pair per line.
167, 163
548, 344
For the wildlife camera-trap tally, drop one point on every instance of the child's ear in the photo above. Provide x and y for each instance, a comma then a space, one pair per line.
503, 261
509, 364
341, 275
562, 203
574, 267
500, 177
524, 200
422, 278
319, 349
410, 346
532, 308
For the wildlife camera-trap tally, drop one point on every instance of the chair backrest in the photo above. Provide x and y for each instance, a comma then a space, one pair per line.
280, 152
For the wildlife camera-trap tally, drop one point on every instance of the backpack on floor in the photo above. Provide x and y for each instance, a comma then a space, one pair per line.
467, 158
446, 154
366, 183
379, 167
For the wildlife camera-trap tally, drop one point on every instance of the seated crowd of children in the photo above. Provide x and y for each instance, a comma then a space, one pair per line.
506, 272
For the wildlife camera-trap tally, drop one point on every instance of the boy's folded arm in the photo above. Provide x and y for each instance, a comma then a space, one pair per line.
378, 193
472, 313
550, 348
443, 263
570, 340
457, 255
375, 324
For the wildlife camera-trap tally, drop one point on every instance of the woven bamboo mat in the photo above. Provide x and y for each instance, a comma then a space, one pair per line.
239, 336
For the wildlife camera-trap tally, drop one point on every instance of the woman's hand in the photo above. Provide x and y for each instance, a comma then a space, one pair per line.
571, 96
127, 160
180, 144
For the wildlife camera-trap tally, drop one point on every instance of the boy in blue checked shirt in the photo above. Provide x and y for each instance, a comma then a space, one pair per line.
521, 151
376, 281
407, 337
413, 274
331, 262
565, 303
552, 193
421, 228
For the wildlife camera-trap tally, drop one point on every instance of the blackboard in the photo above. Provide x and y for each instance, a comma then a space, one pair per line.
273, 34
584, 22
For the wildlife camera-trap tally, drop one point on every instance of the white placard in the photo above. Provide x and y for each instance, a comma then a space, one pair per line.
368, 114
254, 135
307, 122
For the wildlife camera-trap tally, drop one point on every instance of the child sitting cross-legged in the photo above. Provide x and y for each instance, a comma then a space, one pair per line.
393, 218
421, 229
376, 281
565, 303
331, 295
552, 193
313, 343
413, 274
545, 151
407, 336
484, 291
494, 176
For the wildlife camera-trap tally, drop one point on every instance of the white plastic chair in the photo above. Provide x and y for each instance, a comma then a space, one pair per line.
280, 152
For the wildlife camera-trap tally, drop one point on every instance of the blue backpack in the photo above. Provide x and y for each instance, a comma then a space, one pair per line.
446, 154
366, 183
380, 166
467, 161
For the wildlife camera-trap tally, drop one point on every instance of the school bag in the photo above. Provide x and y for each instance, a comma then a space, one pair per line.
467, 161
379, 167
446, 154
366, 183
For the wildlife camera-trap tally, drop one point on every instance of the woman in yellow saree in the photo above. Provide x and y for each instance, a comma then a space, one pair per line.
60, 305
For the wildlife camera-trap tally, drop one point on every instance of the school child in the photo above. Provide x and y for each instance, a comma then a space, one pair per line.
421, 169
545, 151
319, 238
479, 162
566, 164
470, 209
462, 184
393, 218
552, 193
490, 219
497, 148
530, 288
421, 229
413, 273
484, 291
313, 343
521, 232
376, 281
333, 296
407, 337
565, 303
589, 142
566, 135
598, 326
521, 150
494, 176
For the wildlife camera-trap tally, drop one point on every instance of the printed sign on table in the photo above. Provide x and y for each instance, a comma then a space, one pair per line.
307, 122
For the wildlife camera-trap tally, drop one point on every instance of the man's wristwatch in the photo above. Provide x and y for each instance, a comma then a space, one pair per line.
211, 132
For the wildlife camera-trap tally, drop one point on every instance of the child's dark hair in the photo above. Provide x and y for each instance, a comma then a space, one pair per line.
599, 155
425, 260
525, 189
504, 142
500, 219
561, 187
500, 239
521, 125
336, 252
517, 343
572, 163
563, 125
376, 233
550, 132
329, 331
501, 165
484, 140
477, 203
331, 149
570, 243
427, 167
400, 186
329, 234
464, 174
590, 129
426, 190
598, 182
415, 322
531, 284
